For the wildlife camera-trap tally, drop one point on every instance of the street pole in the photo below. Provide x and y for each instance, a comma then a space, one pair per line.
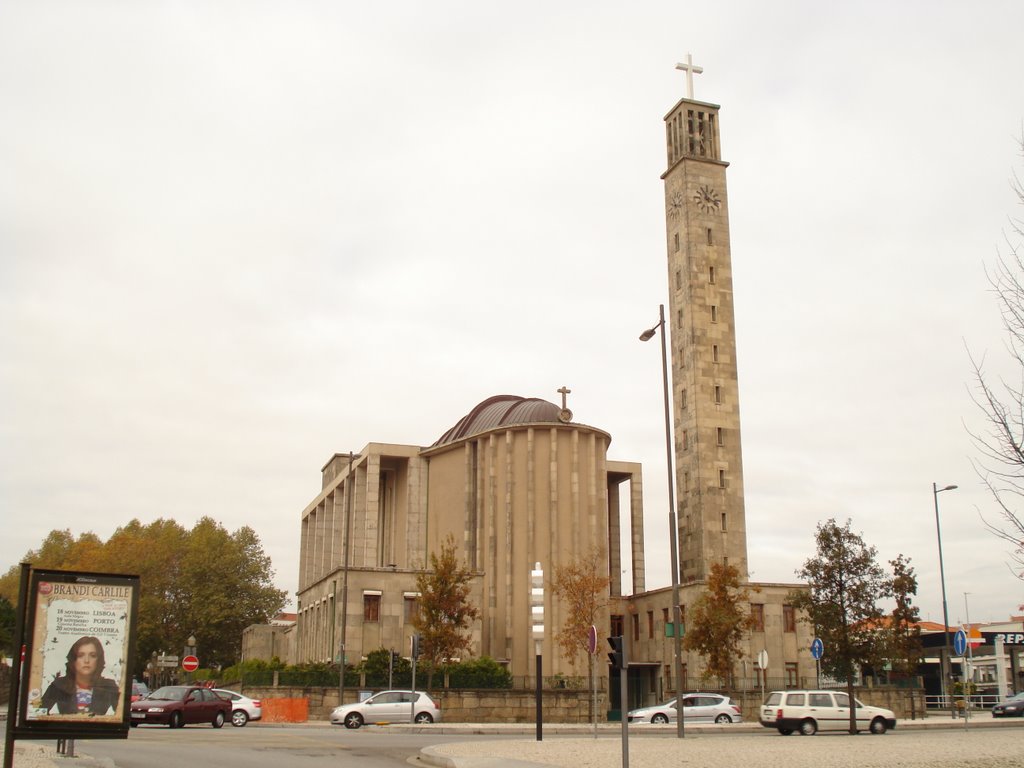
948, 677
344, 581
537, 620
673, 528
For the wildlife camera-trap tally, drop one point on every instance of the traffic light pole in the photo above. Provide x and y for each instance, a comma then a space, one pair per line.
619, 658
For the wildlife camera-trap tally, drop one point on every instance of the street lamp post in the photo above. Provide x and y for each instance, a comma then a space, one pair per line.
673, 531
537, 631
947, 677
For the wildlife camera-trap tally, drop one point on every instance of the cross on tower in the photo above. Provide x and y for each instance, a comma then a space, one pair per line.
691, 69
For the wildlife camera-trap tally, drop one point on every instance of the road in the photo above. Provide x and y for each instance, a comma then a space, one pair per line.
256, 746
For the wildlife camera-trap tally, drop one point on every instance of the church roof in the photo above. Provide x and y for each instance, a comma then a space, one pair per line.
498, 411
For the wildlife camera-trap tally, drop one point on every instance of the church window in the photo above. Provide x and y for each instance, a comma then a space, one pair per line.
664, 615
714, 353
616, 625
757, 617
792, 680
711, 273
371, 607
412, 607
720, 435
714, 314
718, 394
721, 478
788, 618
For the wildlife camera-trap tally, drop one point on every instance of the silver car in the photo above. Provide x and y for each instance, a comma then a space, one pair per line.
697, 708
388, 707
243, 709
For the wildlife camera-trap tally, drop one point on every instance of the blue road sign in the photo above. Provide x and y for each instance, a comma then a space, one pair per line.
817, 648
960, 642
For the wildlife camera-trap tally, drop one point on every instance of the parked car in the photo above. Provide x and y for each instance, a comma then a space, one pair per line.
139, 690
697, 708
181, 705
243, 709
811, 711
1012, 707
388, 707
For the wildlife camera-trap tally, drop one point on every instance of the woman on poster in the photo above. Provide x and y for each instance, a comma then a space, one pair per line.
82, 690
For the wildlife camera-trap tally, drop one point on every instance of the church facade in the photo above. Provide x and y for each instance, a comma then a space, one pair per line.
517, 481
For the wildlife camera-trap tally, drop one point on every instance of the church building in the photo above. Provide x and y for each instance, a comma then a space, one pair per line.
516, 481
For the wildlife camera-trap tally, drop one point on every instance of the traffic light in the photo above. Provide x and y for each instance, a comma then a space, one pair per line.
617, 657
394, 658
415, 646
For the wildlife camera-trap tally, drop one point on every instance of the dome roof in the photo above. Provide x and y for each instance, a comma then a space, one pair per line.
501, 410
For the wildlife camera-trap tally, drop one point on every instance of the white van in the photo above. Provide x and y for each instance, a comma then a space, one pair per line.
811, 711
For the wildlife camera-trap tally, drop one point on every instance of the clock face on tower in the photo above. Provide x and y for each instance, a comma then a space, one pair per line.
707, 199
676, 201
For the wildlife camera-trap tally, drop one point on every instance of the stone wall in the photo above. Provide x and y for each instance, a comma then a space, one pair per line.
560, 706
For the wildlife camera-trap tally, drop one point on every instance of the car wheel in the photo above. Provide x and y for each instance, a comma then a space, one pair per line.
424, 718
218, 720
785, 731
723, 718
659, 719
353, 720
134, 725
878, 726
239, 718
177, 721
808, 728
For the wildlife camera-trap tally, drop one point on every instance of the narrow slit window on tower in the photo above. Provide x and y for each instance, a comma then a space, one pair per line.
686, 440
710, 240
711, 273
682, 399
677, 240
724, 528
720, 435
718, 394
714, 353
679, 279
714, 313
721, 478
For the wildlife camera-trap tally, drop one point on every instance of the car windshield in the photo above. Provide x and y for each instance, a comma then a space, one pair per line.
170, 693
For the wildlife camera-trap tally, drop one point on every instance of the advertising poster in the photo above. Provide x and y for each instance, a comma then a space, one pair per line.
80, 629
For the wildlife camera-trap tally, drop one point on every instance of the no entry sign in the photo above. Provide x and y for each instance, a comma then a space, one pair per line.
190, 663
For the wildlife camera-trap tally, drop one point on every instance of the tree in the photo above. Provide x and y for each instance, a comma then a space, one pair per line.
7, 620
204, 582
1001, 444
445, 612
718, 623
580, 585
905, 634
841, 603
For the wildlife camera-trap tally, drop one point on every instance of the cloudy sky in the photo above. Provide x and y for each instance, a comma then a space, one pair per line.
238, 237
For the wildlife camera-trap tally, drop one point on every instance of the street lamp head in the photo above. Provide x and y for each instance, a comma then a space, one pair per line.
648, 334
948, 488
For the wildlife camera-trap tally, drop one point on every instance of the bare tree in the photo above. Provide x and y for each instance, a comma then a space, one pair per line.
581, 585
719, 620
1000, 444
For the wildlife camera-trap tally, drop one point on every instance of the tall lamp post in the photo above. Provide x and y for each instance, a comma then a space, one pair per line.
672, 526
947, 677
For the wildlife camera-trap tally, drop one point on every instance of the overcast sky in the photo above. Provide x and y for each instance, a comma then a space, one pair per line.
238, 237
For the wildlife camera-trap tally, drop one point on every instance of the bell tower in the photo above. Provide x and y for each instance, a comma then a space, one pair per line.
709, 465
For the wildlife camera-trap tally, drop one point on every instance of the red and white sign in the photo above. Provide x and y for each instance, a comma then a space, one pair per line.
190, 663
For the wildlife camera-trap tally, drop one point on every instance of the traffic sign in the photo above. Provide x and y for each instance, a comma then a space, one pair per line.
762, 659
960, 642
592, 640
817, 648
190, 663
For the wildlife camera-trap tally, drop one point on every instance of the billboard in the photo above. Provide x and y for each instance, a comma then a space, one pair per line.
79, 644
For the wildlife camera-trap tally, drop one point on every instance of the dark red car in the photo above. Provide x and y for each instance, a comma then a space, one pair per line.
181, 705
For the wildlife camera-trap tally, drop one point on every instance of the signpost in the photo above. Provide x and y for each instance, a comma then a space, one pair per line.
817, 651
762, 663
592, 650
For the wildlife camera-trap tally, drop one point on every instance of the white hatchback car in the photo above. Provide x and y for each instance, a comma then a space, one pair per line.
811, 711
388, 707
243, 709
697, 708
